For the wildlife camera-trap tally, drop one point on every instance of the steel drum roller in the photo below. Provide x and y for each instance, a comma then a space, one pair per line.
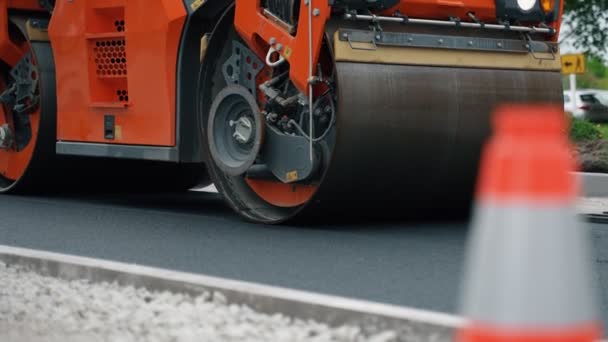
409, 137
408, 127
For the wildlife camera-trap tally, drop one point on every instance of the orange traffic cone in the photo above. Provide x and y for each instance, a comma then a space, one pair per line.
528, 275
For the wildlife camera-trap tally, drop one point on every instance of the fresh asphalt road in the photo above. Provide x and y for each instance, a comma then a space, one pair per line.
410, 264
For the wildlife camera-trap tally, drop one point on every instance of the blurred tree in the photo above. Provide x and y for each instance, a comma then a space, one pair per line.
589, 22
596, 76
596, 67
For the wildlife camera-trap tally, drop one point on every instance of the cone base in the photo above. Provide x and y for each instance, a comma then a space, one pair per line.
581, 333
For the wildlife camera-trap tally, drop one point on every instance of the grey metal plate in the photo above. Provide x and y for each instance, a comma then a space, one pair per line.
155, 153
287, 156
441, 41
242, 67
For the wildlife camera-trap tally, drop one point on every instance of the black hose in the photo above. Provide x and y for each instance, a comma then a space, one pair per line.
332, 121
286, 10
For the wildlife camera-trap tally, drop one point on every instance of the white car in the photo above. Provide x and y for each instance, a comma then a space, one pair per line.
589, 104
602, 95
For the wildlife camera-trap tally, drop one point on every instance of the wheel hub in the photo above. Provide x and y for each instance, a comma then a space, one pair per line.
235, 130
243, 130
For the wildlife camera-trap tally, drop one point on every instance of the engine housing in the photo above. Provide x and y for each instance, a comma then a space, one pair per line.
363, 4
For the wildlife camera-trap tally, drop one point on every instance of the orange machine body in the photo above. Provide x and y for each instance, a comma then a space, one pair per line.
9, 52
140, 80
117, 58
484, 10
259, 29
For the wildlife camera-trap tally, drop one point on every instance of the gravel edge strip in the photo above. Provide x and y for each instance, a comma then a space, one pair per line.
371, 318
42, 306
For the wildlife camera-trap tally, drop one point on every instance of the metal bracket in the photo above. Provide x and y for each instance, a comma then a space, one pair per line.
242, 67
22, 98
21, 95
533, 49
287, 156
350, 43
448, 23
441, 42
25, 75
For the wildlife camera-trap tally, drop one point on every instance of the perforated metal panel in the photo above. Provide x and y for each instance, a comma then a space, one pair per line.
110, 57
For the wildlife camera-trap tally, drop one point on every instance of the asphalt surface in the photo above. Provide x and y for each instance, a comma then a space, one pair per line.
411, 264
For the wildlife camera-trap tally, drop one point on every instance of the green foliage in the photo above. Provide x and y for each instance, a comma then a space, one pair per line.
583, 130
588, 81
596, 67
603, 130
586, 17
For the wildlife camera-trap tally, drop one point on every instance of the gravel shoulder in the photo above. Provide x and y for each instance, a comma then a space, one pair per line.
41, 308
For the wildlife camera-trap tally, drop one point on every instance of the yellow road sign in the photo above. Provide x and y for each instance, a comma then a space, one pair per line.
573, 64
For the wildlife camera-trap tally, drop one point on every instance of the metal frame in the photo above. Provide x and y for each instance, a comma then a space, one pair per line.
154, 153
449, 23
201, 19
401, 39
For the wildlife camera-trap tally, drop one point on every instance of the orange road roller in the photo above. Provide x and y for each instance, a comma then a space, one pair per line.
292, 108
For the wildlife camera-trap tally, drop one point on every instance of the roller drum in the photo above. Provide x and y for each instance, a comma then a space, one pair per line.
409, 137
406, 140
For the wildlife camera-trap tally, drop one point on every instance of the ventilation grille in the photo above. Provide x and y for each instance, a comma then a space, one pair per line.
110, 57
120, 25
123, 95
